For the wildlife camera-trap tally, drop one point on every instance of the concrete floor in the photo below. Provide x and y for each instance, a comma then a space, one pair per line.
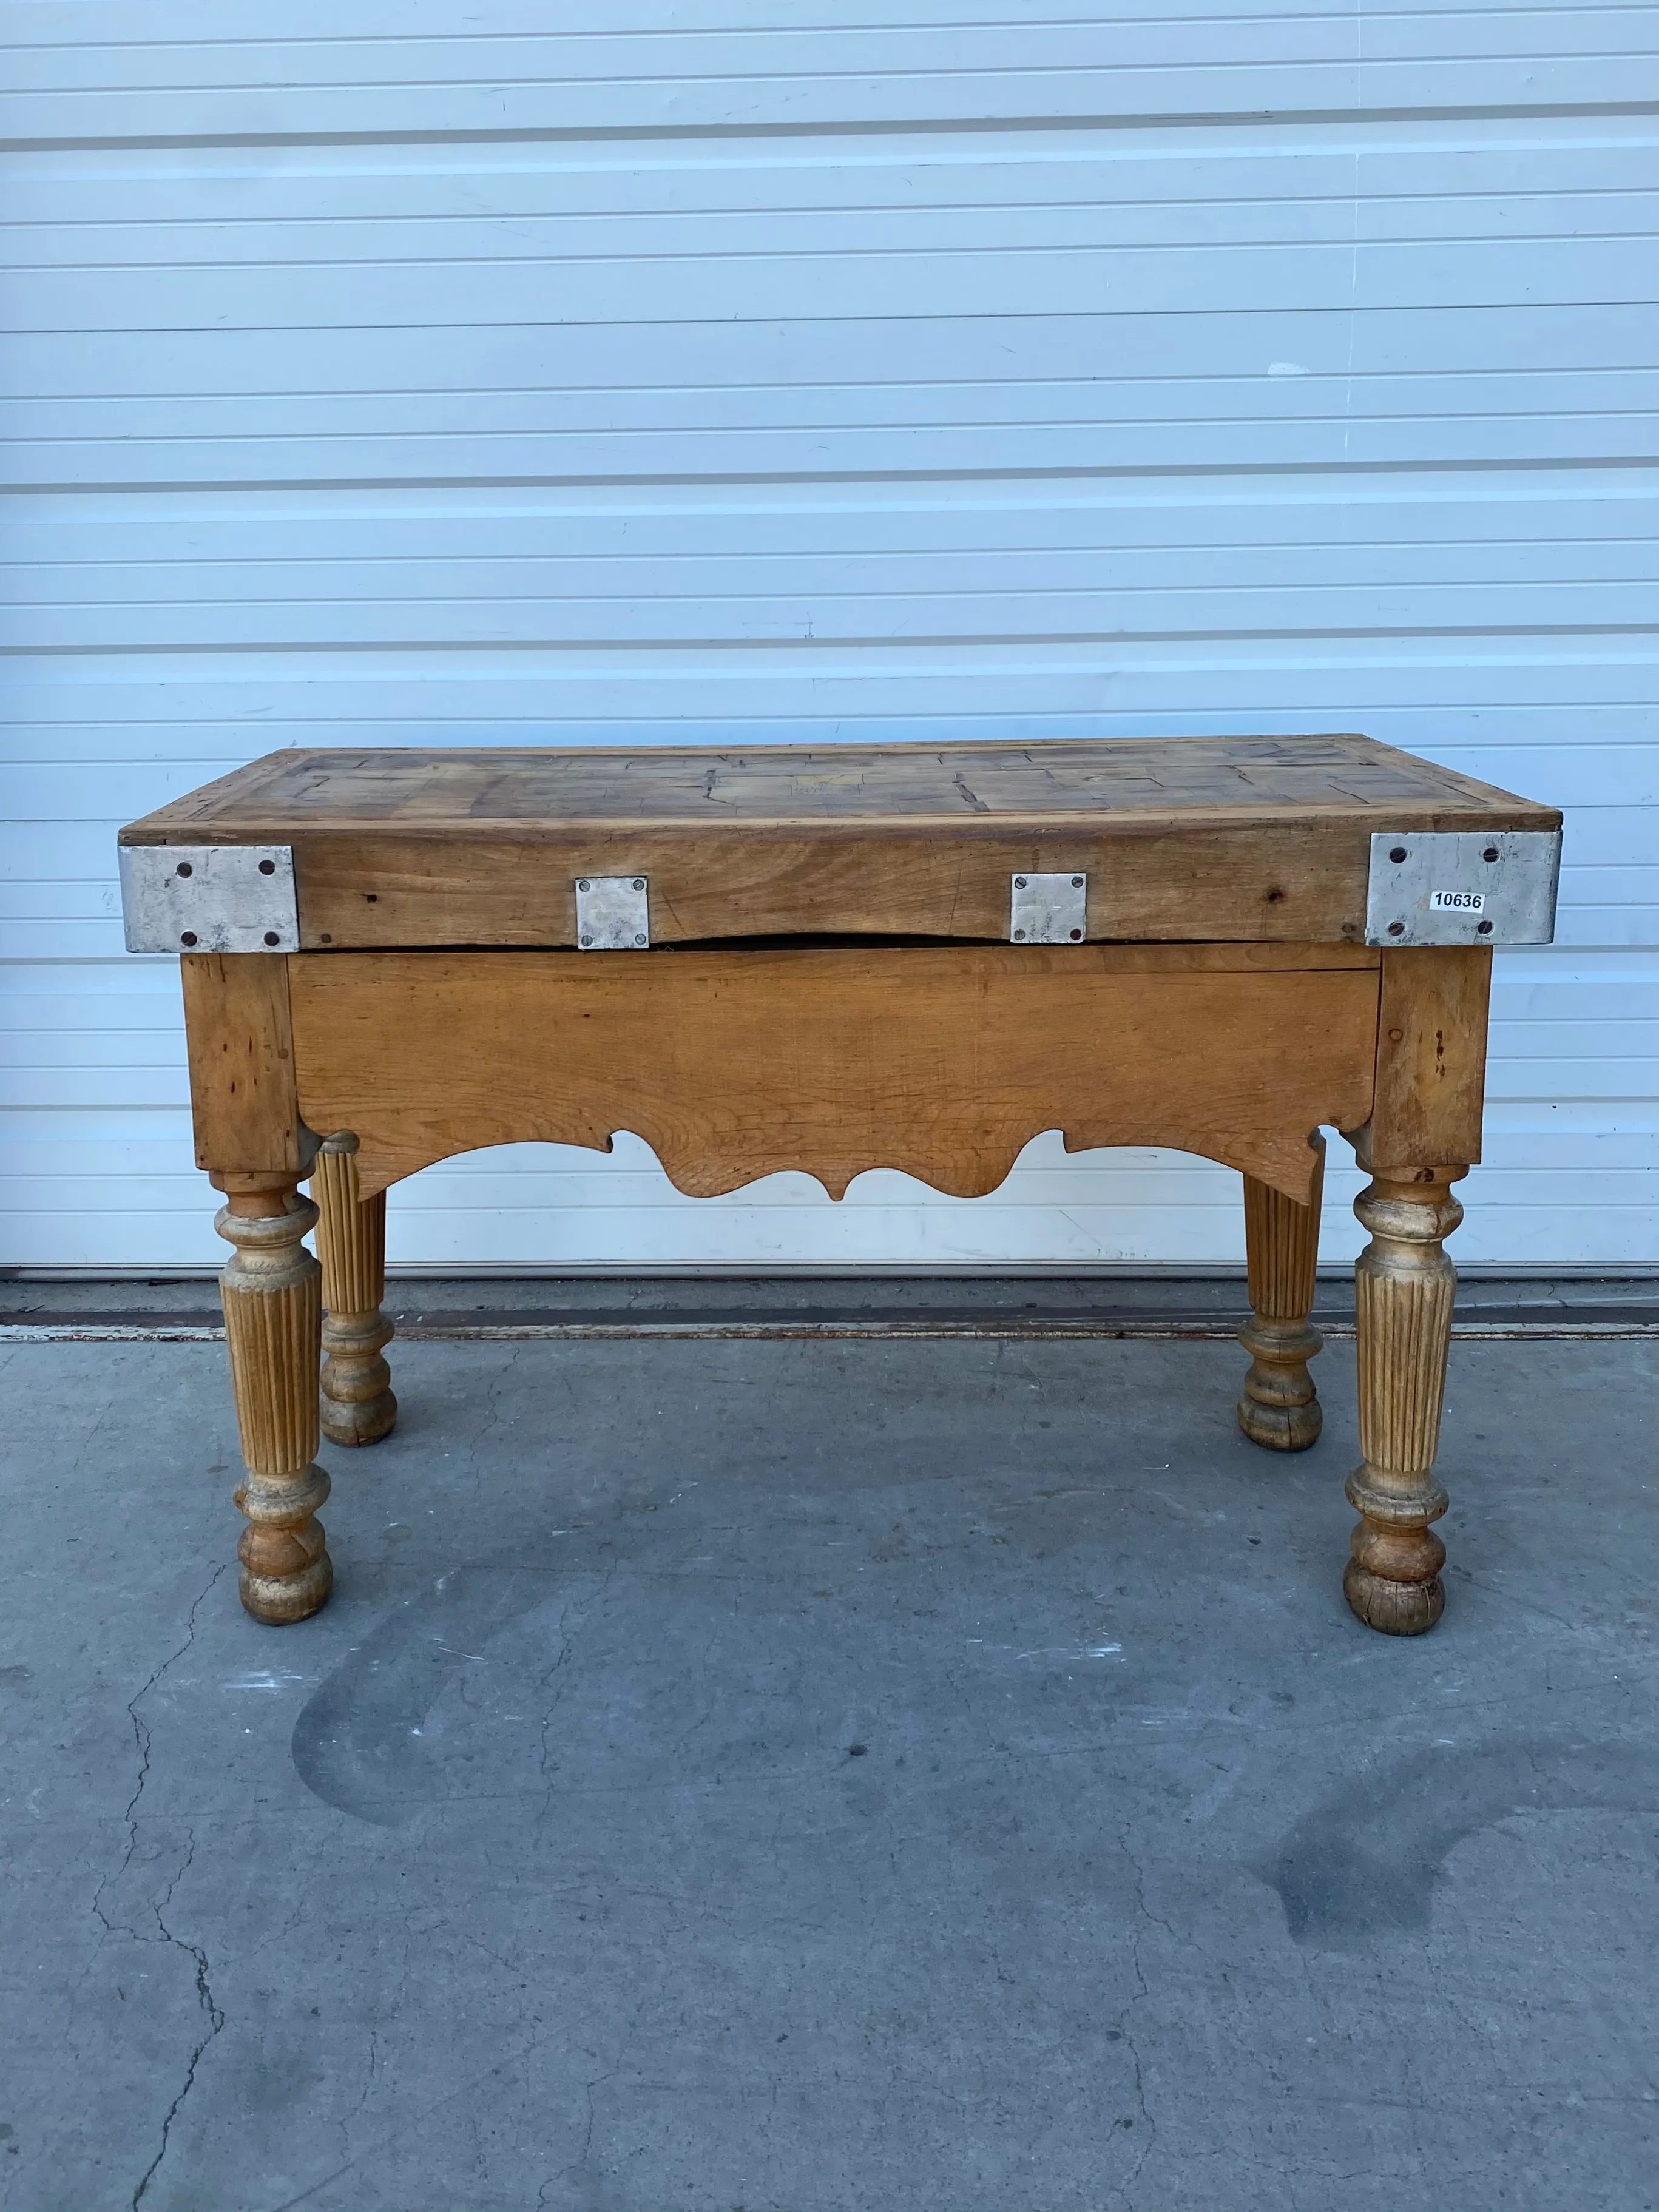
828, 1776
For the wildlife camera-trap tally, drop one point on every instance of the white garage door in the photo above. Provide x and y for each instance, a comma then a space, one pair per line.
708, 369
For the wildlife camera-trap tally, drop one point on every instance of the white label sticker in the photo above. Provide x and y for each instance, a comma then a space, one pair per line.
1457, 901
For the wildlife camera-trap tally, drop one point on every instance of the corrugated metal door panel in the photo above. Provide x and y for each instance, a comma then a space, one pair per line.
419, 374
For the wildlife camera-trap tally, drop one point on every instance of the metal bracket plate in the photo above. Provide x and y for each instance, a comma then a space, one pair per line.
1463, 887
209, 898
1048, 910
613, 913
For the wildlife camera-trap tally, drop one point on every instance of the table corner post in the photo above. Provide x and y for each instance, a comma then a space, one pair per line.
1423, 1135
256, 1150
1404, 1286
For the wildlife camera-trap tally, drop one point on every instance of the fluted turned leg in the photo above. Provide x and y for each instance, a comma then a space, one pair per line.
1280, 1407
357, 1404
1404, 1284
273, 1311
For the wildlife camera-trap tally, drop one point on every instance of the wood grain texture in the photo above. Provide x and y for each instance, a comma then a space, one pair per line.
1279, 882
270, 1288
358, 1406
1432, 1057
736, 1065
239, 1039
1280, 1407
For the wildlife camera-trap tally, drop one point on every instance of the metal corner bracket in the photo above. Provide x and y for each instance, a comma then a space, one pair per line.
208, 898
1463, 887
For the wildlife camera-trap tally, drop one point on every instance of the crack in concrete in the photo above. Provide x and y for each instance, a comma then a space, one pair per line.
598, 2082
492, 1420
142, 1740
1149, 2125
373, 2075
553, 1699
141, 1737
215, 2019
205, 1999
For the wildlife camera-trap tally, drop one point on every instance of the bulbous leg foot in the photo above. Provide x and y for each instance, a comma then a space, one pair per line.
358, 1406
1280, 1407
286, 1573
1393, 1580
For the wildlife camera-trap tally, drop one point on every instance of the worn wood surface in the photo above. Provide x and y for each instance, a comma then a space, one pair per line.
240, 1042
493, 792
1431, 1056
1279, 1406
1242, 839
735, 1065
1286, 882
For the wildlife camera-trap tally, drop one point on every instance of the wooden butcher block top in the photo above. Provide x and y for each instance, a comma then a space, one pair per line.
1252, 840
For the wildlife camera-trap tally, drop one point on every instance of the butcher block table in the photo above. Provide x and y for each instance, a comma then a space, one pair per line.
834, 958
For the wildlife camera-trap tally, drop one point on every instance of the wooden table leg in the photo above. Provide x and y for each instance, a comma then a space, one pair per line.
1423, 1133
1404, 1284
273, 1312
358, 1406
1280, 1407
